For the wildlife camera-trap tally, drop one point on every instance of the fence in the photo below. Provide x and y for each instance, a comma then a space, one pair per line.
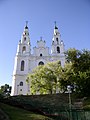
68, 115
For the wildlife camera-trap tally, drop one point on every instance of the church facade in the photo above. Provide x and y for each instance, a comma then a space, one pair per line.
26, 61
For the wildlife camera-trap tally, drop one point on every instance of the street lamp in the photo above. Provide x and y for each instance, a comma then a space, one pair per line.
70, 107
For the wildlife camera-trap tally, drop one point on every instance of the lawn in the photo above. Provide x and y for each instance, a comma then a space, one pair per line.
50, 105
15, 113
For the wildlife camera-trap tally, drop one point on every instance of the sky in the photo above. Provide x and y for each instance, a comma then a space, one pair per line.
72, 19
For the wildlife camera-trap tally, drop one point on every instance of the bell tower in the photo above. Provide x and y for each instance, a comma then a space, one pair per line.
24, 47
57, 46
19, 85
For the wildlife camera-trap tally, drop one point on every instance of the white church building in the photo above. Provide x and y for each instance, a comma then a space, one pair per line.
26, 61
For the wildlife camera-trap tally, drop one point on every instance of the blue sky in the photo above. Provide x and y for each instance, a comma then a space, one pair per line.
73, 21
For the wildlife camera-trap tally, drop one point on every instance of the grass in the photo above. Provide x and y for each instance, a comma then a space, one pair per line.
15, 113
48, 101
47, 104
86, 104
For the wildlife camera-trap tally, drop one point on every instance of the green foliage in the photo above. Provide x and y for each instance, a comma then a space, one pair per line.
67, 76
72, 55
15, 113
52, 77
45, 78
5, 90
81, 70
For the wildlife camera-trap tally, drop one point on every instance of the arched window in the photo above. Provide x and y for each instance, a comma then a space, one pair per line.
25, 33
57, 39
41, 54
41, 63
24, 38
58, 49
21, 83
22, 65
23, 49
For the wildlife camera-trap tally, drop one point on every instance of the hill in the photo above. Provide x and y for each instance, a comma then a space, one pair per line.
54, 106
15, 113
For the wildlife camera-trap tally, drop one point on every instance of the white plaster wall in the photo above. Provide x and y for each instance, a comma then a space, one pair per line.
42, 50
16, 85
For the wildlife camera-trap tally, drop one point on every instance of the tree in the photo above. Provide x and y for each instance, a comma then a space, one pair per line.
67, 77
5, 90
51, 77
45, 78
72, 54
81, 70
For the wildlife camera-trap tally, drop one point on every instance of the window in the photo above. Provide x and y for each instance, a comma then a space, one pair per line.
21, 83
24, 38
41, 63
41, 54
22, 65
58, 49
23, 49
20, 89
57, 40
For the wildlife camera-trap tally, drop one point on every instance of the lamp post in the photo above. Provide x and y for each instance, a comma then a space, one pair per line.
70, 107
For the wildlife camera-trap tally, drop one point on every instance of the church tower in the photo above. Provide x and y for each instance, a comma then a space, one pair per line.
57, 47
19, 85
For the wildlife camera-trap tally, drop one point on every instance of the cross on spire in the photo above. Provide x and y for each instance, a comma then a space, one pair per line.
55, 23
26, 23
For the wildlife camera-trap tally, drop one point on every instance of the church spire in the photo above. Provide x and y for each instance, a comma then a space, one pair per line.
56, 29
56, 41
26, 27
26, 30
24, 46
55, 25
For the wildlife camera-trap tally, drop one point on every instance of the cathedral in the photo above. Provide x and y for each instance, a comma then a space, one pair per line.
26, 61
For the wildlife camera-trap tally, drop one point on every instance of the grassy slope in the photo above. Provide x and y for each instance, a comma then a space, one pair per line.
15, 113
57, 101
86, 104
47, 104
39, 101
